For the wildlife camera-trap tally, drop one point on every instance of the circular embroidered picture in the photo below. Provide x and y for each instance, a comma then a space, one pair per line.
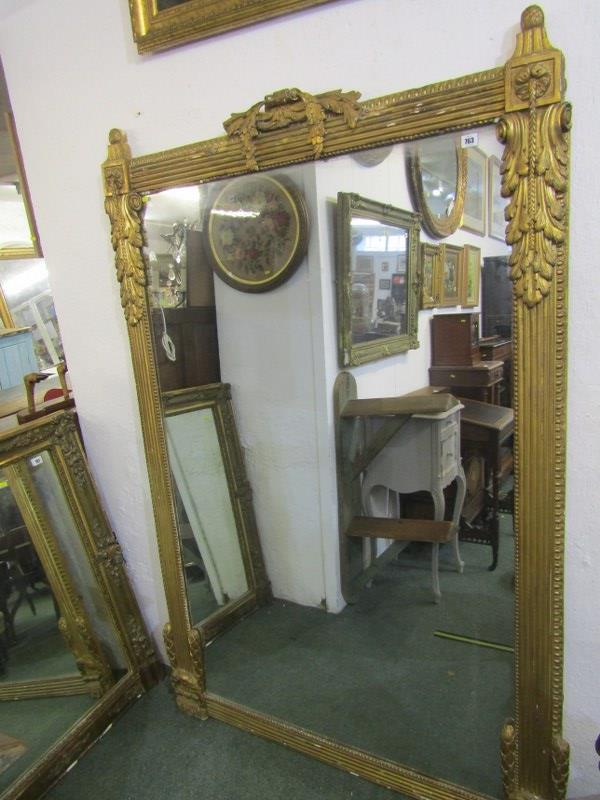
257, 232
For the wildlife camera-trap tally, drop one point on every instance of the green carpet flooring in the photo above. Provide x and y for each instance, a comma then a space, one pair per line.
38, 723
376, 677
155, 752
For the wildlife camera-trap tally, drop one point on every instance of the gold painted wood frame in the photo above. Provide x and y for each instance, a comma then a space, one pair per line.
351, 353
217, 397
187, 20
525, 99
57, 436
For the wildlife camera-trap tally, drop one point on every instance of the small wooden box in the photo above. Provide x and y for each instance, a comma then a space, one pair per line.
495, 349
455, 340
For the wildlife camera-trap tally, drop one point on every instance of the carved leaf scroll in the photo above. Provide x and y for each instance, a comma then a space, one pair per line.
534, 175
292, 106
127, 240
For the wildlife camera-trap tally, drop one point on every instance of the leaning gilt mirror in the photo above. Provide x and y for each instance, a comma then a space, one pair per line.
448, 700
73, 648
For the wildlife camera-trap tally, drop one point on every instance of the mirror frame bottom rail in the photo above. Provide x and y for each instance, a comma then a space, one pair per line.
79, 738
525, 99
381, 771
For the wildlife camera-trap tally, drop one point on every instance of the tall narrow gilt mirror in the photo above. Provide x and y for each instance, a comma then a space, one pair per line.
455, 699
73, 648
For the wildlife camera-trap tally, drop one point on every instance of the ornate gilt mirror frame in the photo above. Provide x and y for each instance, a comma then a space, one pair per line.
437, 226
217, 398
525, 99
57, 435
351, 353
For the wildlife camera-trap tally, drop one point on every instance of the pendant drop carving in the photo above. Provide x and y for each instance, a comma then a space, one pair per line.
535, 178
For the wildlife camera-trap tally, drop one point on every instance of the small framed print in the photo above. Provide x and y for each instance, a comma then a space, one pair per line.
471, 269
385, 284
475, 195
431, 275
451, 283
496, 203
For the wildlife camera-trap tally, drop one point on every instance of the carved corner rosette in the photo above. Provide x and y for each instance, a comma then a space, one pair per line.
125, 210
535, 160
288, 107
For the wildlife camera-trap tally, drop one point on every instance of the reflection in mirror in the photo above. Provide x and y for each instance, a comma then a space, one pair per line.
18, 234
437, 173
394, 674
26, 302
376, 265
213, 564
41, 688
73, 648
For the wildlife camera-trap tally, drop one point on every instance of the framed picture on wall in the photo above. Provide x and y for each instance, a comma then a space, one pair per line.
496, 203
451, 283
431, 275
471, 272
161, 24
475, 195
385, 284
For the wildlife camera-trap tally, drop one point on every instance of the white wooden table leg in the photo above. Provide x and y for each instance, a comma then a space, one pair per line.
439, 506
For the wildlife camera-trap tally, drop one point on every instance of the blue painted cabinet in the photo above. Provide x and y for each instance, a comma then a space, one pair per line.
17, 357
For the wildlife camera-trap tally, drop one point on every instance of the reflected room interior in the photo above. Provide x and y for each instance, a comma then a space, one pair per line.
372, 659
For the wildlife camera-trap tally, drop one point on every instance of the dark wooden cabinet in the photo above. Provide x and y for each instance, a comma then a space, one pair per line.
455, 340
480, 381
193, 331
496, 297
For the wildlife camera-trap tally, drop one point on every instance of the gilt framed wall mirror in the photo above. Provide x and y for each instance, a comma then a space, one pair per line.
73, 648
458, 699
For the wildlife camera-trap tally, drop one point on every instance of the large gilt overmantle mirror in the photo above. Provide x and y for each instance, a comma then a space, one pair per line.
361, 689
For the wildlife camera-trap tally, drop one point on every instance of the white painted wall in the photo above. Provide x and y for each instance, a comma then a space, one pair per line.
73, 73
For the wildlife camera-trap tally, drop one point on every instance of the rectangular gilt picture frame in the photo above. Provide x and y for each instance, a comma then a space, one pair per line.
496, 203
430, 274
471, 275
451, 257
162, 24
476, 191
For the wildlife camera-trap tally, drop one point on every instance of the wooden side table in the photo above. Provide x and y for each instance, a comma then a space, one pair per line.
423, 456
485, 429
481, 381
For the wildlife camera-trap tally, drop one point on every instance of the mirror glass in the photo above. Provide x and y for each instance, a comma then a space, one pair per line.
18, 235
29, 304
378, 279
437, 171
425, 684
47, 680
213, 564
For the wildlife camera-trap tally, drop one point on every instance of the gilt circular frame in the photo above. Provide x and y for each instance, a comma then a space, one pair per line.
257, 232
437, 226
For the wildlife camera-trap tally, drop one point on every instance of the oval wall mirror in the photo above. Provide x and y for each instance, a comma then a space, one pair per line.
437, 173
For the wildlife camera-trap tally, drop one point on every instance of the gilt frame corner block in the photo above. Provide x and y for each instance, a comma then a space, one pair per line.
525, 99
162, 24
